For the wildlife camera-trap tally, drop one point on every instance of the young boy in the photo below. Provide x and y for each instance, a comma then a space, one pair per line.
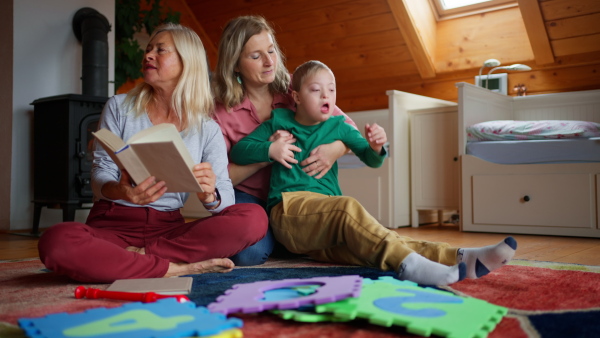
309, 215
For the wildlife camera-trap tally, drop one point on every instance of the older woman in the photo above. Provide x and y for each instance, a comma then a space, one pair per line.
137, 231
250, 80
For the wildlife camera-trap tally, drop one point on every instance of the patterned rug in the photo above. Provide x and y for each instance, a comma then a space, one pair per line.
544, 299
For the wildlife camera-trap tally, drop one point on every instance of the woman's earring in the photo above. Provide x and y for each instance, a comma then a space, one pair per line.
239, 79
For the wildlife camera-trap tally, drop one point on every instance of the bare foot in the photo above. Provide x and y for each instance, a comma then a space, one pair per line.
211, 265
141, 251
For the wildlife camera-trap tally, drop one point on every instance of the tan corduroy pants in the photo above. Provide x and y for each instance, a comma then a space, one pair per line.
339, 229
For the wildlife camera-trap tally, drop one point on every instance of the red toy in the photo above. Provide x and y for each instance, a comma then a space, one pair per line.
147, 297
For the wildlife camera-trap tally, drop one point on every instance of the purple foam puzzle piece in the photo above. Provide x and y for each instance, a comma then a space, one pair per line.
248, 298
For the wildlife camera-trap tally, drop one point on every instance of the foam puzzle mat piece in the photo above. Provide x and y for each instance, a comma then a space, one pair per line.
165, 318
307, 313
307, 316
233, 333
288, 293
423, 311
280, 294
249, 297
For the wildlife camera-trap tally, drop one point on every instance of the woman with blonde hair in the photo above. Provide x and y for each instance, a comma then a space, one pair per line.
137, 231
250, 80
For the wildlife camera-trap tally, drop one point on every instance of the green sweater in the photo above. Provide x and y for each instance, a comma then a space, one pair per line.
254, 148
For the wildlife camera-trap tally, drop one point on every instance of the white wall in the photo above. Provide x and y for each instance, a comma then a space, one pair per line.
47, 62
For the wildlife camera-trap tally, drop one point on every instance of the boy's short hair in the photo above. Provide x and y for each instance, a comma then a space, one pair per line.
304, 70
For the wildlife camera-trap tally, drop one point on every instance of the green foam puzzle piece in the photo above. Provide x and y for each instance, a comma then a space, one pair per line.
423, 311
307, 316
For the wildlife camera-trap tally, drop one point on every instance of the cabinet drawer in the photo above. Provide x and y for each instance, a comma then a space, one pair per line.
565, 200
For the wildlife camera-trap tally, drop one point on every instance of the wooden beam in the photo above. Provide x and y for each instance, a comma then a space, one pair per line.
536, 31
419, 39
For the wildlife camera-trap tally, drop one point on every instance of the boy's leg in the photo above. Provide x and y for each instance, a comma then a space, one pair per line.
481, 261
338, 229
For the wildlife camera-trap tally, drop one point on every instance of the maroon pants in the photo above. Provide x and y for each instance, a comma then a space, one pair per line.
95, 252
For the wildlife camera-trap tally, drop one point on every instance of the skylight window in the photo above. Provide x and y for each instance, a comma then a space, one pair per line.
449, 9
449, 4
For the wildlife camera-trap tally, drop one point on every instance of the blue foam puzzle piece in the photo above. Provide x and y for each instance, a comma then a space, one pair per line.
280, 294
288, 293
164, 318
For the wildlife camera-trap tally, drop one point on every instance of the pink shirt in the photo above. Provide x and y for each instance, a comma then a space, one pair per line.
241, 121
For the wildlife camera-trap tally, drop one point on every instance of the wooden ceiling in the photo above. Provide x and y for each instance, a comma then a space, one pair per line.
377, 45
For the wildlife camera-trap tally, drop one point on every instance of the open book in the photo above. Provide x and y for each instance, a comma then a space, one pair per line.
158, 151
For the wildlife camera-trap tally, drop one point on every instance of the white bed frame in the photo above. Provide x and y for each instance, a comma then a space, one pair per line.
543, 199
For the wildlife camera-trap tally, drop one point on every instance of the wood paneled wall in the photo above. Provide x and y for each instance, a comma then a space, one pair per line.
363, 42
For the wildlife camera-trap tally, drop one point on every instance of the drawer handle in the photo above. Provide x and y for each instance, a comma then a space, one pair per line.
455, 159
526, 198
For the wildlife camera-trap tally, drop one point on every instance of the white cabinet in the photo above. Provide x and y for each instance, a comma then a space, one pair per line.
434, 161
385, 191
371, 186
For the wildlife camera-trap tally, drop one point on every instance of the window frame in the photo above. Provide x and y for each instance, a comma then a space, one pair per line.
482, 7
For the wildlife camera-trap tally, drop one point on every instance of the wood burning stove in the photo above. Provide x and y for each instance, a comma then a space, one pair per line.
63, 126
63, 153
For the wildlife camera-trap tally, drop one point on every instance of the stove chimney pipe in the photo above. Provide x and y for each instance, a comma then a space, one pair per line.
91, 29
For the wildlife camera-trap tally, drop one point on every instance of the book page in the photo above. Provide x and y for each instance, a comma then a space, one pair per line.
157, 133
161, 133
108, 140
111, 144
163, 161
158, 151
132, 163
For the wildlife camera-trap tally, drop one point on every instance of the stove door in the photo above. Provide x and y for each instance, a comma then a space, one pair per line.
85, 152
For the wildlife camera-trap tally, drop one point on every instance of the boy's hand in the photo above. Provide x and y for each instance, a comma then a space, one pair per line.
283, 152
376, 136
282, 135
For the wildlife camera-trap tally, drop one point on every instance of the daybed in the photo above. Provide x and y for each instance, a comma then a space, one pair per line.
552, 190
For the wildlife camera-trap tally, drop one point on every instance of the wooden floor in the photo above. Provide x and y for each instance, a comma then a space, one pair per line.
542, 248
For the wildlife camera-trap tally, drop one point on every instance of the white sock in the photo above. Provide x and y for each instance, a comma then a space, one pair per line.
481, 261
421, 270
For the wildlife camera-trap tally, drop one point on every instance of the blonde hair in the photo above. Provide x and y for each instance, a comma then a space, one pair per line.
236, 34
305, 70
192, 100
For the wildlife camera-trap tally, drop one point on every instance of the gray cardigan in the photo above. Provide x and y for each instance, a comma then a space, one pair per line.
206, 145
